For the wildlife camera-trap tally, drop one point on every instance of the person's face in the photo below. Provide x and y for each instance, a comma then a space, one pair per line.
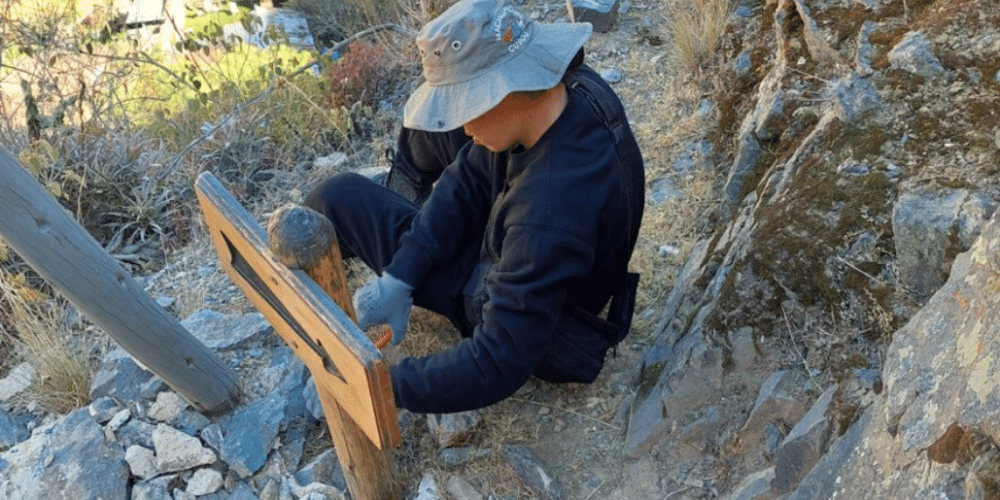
494, 129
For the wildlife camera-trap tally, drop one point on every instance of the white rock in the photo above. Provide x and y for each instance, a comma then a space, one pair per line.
141, 461
176, 451
120, 419
16, 381
325, 490
168, 407
204, 482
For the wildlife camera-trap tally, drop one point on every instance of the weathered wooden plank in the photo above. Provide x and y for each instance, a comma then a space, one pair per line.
38, 228
340, 356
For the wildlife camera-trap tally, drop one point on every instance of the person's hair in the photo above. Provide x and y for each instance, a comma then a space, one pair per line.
529, 95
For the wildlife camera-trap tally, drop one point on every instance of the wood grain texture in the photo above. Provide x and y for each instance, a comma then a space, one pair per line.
345, 364
39, 229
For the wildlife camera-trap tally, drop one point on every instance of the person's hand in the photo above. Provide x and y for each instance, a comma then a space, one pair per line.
311, 395
384, 300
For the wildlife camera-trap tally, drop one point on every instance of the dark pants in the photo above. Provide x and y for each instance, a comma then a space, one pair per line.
370, 219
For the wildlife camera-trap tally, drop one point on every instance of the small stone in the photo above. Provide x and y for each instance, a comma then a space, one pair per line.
168, 406
453, 428
428, 488
16, 381
141, 461
532, 471
176, 451
103, 409
460, 489
119, 419
454, 457
611, 75
204, 482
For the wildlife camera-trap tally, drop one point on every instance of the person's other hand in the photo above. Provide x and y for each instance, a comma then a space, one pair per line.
384, 300
311, 395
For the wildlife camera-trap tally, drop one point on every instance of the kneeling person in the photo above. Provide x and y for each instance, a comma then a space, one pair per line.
527, 234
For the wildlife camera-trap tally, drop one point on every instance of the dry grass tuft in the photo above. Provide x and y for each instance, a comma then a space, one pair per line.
696, 26
36, 328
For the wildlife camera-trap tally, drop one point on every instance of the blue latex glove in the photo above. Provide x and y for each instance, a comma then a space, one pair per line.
311, 395
384, 300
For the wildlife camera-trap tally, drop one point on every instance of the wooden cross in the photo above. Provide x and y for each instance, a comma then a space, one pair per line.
311, 310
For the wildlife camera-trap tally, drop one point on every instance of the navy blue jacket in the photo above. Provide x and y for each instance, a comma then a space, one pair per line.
557, 224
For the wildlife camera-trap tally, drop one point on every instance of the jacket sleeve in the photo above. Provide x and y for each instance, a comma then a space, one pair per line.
527, 291
455, 213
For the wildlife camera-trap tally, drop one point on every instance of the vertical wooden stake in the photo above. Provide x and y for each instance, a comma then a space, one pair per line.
302, 238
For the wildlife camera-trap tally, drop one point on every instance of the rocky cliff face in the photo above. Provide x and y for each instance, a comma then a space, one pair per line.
861, 143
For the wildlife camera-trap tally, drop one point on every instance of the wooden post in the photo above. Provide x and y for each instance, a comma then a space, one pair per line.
351, 375
302, 238
38, 228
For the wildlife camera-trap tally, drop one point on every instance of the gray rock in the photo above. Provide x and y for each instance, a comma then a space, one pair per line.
743, 64
191, 422
914, 55
325, 468
753, 486
602, 14
119, 377
12, 431
249, 435
67, 460
776, 402
460, 489
452, 429
103, 409
212, 435
454, 457
854, 97
242, 491
142, 461
662, 189
17, 380
179, 494
747, 155
927, 225
136, 432
866, 51
204, 482
168, 406
152, 387
532, 471
293, 443
153, 489
696, 157
317, 490
428, 488
176, 451
804, 445
225, 332
612, 75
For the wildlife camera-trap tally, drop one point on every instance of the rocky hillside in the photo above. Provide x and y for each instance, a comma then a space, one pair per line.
863, 161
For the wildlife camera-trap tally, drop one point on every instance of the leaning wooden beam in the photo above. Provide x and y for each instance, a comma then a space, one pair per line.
41, 232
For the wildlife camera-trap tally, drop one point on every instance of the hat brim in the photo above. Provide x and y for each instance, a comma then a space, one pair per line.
540, 66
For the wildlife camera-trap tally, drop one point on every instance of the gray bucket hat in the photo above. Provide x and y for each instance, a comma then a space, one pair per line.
477, 52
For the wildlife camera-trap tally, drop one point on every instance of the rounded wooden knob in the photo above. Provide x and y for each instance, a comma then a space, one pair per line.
299, 236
